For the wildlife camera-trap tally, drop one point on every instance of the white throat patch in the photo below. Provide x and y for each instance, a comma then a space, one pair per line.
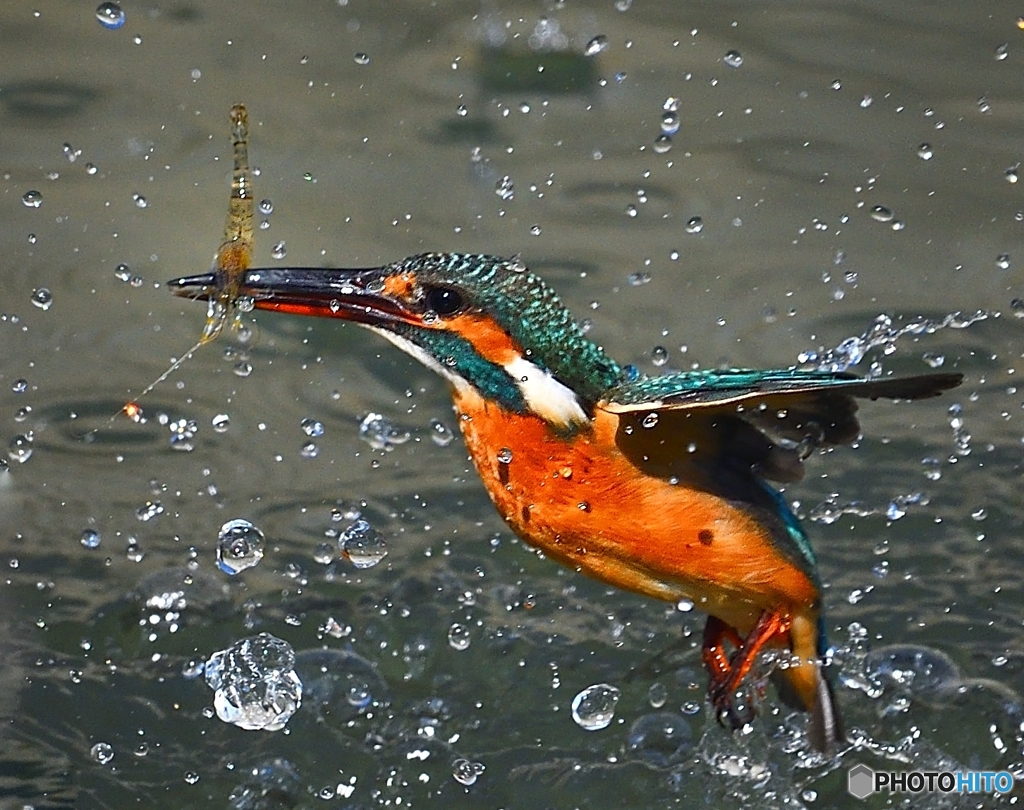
545, 396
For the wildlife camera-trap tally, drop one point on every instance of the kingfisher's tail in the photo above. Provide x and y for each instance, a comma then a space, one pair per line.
805, 685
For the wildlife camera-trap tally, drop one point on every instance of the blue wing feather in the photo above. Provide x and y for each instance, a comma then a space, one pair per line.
703, 388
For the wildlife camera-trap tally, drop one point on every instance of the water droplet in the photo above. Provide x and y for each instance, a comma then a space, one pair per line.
123, 273
309, 450
380, 433
362, 545
623, 5
254, 682
694, 225
670, 122
650, 420
895, 510
266, 207
102, 752
90, 538
440, 434
458, 637
733, 59
19, 386
32, 199
879, 213
657, 695
191, 777
140, 201
149, 510
866, 102
596, 45
183, 431
465, 772
1002, 51
311, 427
504, 188
631, 210
594, 707
221, 422
504, 455
461, 111
1010, 175
362, 59
20, 448
71, 153
638, 279
1003, 261
934, 360
110, 15
535, 230
279, 251
662, 144
323, 553
924, 151
42, 298
239, 546
659, 355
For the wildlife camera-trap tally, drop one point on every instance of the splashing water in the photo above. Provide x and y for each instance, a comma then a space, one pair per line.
255, 684
882, 335
832, 509
381, 433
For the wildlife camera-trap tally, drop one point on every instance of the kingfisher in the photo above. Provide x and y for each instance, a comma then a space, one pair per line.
660, 485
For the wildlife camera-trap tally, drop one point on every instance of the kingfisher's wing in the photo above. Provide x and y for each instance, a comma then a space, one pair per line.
765, 421
730, 432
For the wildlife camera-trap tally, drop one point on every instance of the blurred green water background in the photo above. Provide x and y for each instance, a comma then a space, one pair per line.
831, 162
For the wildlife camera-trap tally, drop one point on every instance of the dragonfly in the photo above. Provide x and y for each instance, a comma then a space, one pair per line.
226, 304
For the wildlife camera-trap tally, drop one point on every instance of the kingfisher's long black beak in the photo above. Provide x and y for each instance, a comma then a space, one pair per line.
353, 295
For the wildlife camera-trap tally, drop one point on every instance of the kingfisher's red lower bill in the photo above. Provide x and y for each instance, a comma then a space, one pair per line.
659, 485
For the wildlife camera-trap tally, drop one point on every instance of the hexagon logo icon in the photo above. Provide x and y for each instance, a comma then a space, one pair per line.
860, 781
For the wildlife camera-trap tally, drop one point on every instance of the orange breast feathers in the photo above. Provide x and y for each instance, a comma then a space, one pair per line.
583, 503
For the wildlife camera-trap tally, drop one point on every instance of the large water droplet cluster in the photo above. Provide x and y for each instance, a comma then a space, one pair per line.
254, 682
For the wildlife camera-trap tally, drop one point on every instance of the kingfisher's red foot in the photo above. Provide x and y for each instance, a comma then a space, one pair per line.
728, 671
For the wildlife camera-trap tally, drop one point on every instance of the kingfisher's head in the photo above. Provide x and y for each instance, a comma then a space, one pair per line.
479, 321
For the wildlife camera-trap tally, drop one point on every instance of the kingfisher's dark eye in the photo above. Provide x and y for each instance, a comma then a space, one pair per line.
444, 300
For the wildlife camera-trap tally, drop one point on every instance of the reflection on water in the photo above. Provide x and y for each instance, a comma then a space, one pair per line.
735, 183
